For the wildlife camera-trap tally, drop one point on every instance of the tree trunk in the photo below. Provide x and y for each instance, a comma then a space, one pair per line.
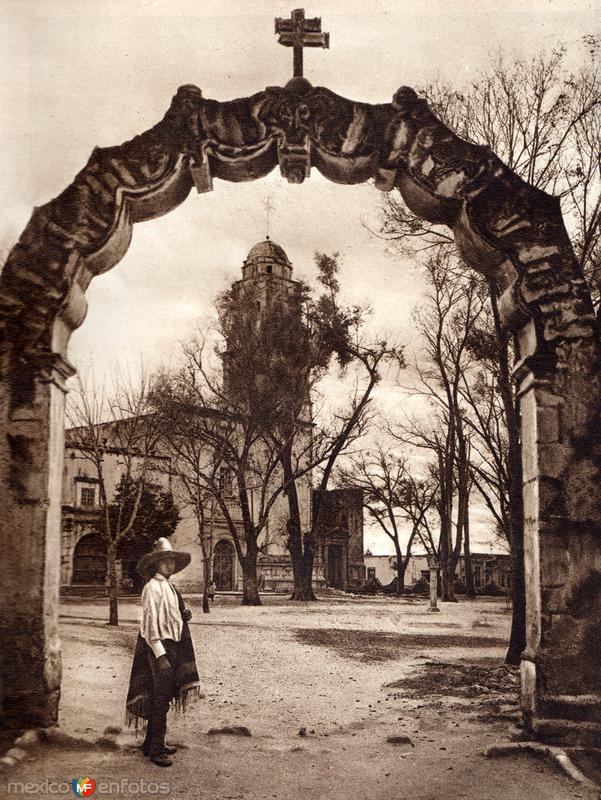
446, 540
400, 569
308, 561
296, 558
470, 586
400, 579
301, 551
206, 577
447, 587
463, 509
111, 566
517, 638
250, 583
302, 559
446, 563
463, 494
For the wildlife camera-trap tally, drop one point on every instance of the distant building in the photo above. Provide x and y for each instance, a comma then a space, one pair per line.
83, 553
488, 568
383, 569
340, 538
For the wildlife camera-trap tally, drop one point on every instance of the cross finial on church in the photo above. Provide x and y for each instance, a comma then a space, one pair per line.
268, 206
298, 32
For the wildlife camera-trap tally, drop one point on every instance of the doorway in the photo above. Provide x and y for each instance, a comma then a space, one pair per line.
223, 566
335, 574
89, 561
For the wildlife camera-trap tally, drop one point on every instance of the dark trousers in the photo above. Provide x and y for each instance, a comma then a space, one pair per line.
161, 693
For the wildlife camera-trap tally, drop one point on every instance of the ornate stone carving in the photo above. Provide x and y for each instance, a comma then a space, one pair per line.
503, 227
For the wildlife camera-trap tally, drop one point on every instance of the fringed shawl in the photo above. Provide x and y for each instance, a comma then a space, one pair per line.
186, 683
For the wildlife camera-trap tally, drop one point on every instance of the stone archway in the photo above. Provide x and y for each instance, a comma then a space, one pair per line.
503, 228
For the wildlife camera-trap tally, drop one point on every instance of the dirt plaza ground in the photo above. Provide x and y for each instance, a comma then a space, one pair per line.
345, 699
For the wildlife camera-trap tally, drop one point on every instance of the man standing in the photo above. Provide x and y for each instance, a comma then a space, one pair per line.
164, 667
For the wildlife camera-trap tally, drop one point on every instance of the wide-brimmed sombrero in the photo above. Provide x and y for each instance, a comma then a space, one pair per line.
147, 565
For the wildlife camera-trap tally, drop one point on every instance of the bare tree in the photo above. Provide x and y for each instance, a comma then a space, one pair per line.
276, 355
349, 424
453, 304
216, 444
544, 121
192, 468
392, 494
117, 435
493, 418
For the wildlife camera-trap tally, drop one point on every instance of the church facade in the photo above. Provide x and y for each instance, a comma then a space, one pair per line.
339, 563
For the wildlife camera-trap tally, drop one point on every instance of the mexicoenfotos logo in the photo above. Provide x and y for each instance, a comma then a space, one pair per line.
83, 787
86, 787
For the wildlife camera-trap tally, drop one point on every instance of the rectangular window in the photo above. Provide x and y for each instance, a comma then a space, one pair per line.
88, 497
225, 481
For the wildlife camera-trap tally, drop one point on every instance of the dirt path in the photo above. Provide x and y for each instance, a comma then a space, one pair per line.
347, 674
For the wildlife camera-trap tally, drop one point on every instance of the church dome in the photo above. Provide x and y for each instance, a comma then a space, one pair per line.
267, 258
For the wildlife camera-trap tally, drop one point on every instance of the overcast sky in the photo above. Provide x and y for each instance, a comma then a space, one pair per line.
79, 74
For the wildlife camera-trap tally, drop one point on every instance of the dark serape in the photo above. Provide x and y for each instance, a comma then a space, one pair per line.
186, 683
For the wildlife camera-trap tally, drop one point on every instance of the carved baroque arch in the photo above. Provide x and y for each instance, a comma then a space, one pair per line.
504, 228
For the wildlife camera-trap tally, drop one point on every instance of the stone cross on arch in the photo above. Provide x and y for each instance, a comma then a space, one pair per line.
298, 32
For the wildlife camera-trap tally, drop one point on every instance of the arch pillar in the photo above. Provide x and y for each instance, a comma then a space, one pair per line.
31, 506
561, 685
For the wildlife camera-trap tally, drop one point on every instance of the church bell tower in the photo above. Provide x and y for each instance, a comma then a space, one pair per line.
267, 274
266, 289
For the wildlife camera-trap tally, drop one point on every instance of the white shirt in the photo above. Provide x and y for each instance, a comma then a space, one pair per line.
161, 617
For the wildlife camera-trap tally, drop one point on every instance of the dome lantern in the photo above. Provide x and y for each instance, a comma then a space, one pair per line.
267, 258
